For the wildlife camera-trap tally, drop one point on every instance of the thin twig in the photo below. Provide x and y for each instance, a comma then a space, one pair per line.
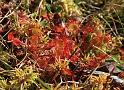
7, 14
20, 63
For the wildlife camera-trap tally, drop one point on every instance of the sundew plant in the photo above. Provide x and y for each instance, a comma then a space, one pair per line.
61, 45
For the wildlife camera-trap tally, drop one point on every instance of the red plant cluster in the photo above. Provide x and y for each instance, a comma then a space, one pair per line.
97, 60
14, 40
63, 45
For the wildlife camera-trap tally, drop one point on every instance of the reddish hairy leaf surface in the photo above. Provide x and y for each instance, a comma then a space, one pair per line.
58, 29
32, 47
67, 71
101, 56
88, 28
34, 39
15, 41
74, 58
73, 25
107, 38
92, 63
10, 36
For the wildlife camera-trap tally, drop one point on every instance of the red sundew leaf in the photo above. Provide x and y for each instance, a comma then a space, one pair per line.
58, 29
88, 28
85, 32
107, 38
101, 56
58, 51
99, 59
34, 39
17, 42
58, 45
74, 21
92, 63
67, 47
10, 36
74, 58
61, 46
66, 50
42, 62
32, 47
84, 65
51, 59
67, 72
49, 45
97, 41
73, 25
